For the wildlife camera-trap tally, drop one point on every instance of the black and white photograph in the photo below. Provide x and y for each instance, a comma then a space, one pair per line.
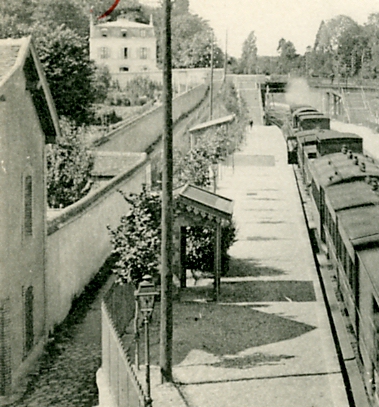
189, 203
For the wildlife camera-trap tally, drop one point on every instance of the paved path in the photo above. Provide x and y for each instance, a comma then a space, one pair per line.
66, 373
301, 369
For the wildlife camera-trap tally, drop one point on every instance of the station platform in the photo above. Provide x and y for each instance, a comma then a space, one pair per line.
299, 367
302, 369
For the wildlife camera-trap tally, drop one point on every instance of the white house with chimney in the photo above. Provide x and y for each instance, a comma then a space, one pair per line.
123, 45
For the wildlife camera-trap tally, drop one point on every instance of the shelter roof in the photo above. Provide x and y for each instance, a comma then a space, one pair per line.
204, 202
216, 122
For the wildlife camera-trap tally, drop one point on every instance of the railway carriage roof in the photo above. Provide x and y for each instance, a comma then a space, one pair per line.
307, 111
337, 168
305, 136
333, 134
298, 106
361, 225
351, 195
324, 134
312, 115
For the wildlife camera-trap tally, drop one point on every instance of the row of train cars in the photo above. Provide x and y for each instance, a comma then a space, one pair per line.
343, 185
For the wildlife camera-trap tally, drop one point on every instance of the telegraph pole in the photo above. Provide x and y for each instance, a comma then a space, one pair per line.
166, 327
211, 84
226, 55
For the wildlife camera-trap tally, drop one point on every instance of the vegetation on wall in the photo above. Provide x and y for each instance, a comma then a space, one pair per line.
69, 166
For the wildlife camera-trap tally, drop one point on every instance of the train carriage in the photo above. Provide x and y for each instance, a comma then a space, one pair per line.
344, 190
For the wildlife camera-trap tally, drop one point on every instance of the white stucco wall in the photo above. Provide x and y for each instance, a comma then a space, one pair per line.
78, 240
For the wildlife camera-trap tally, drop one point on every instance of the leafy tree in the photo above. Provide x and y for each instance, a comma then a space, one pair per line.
69, 166
370, 57
337, 46
180, 7
56, 13
102, 81
249, 54
16, 18
136, 241
288, 58
141, 89
69, 72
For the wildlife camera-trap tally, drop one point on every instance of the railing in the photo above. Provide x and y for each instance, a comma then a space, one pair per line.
119, 375
367, 105
345, 105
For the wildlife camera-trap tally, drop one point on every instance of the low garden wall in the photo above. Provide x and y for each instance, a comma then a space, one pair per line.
181, 78
146, 130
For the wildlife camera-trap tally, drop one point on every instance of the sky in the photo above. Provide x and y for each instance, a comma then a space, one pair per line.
294, 20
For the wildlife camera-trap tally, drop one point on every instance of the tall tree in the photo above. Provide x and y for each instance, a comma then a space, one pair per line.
248, 63
69, 72
370, 59
58, 12
288, 58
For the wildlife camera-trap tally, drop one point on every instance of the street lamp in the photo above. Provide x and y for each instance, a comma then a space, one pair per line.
145, 295
214, 169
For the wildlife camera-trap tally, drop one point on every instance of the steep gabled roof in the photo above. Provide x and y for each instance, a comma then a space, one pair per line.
20, 54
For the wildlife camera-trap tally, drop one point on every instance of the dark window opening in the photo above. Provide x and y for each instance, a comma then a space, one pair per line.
125, 53
28, 206
29, 331
124, 69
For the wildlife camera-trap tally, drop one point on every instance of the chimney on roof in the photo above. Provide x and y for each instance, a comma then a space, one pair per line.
151, 20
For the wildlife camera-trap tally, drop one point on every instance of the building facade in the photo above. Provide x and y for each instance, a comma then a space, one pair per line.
123, 46
27, 122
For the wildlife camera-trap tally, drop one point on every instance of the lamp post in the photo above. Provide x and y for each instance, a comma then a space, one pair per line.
145, 296
214, 168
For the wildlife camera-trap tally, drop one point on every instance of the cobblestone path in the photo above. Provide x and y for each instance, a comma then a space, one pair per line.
66, 375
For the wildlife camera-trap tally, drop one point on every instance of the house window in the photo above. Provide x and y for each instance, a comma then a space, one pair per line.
124, 33
124, 68
143, 33
143, 53
104, 32
28, 206
125, 53
104, 52
28, 320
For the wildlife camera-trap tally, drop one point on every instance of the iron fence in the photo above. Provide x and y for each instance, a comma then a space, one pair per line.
117, 311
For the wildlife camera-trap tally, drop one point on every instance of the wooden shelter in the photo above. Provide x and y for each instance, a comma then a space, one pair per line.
196, 206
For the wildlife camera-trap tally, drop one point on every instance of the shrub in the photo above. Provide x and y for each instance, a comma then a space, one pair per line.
69, 166
136, 241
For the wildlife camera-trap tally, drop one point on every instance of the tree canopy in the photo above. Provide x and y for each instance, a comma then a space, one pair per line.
69, 72
248, 63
